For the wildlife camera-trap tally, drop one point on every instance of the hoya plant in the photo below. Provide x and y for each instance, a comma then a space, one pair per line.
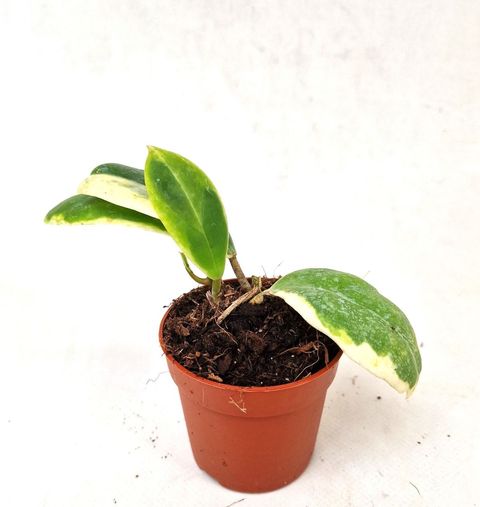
173, 196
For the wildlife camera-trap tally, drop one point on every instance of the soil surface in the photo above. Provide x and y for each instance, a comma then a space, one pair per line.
262, 344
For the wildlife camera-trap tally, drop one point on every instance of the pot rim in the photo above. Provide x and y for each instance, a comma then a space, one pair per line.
230, 387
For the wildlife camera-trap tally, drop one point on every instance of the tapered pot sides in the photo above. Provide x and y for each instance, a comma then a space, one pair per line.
252, 439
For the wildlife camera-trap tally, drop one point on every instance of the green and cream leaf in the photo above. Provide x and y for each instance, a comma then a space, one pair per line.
138, 176
85, 209
121, 170
368, 327
118, 190
189, 206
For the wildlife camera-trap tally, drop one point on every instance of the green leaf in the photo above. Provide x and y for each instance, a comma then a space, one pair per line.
189, 206
368, 327
136, 176
118, 190
85, 209
124, 171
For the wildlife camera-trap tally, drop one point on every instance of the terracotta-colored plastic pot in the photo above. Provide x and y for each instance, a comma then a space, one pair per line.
251, 439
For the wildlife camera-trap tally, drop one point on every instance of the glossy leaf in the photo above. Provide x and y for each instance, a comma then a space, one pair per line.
189, 206
368, 327
138, 176
85, 209
123, 171
120, 191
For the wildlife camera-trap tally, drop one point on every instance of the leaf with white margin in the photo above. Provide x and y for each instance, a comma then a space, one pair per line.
135, 176
368, 327
118, 190
85, 209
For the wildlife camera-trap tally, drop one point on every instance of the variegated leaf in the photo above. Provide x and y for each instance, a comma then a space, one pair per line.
124, 171
118, 190
136, 176
368, 327
85, 209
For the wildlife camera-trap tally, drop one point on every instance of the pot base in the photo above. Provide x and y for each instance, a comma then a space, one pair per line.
263, 454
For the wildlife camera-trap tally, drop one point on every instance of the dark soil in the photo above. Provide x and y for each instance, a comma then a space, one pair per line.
256, 345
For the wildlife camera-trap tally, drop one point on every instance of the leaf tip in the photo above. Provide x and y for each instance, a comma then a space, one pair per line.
154, 150
410, 390
49, 218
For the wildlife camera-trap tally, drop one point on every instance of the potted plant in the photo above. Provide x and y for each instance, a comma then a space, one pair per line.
252, 357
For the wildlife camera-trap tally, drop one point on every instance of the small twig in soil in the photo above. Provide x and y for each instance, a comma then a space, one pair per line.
230, 335
304, 349
218, 356
242, 299
308, 366
326, 355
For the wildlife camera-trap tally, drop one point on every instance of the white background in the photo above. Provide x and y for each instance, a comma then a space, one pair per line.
340, 134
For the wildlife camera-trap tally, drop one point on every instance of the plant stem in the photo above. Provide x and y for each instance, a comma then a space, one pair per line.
216, 288
231, 250
242, 279
198, 279
237, 269
257, 282
232, 257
